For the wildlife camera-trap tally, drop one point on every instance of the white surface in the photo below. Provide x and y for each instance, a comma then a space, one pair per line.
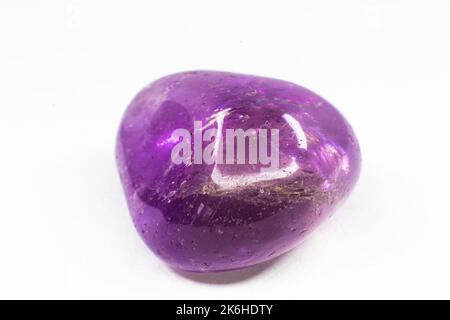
68, 69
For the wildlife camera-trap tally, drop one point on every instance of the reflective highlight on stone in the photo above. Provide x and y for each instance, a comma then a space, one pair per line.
215, 217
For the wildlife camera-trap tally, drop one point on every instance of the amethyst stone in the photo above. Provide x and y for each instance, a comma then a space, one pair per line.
223, 171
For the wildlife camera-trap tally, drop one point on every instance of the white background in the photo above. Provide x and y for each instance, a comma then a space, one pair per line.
68, 69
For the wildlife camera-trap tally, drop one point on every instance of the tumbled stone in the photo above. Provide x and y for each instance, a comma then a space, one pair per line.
223, 171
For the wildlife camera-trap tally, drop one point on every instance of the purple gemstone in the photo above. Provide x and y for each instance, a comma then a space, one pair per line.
223, 171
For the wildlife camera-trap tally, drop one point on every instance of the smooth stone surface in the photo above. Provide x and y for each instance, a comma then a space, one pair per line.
216, 217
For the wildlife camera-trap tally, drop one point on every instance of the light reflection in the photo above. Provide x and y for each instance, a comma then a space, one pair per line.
299, 133
234, 181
